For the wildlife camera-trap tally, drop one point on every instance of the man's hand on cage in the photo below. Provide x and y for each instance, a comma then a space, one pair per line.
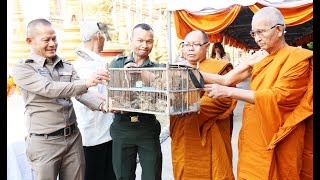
100, 77
107, 107
132, 65
139, 75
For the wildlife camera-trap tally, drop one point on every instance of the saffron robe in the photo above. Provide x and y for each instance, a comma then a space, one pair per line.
274, 140
201, 143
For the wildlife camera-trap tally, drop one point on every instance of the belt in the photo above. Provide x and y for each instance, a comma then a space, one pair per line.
61, 132
134, 117
129, 114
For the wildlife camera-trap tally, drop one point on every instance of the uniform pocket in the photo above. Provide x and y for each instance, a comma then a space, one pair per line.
28, 151
65, 76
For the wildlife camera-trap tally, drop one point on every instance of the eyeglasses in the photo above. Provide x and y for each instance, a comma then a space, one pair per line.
101, 26
260, 33
181, 45
195, 46
104, 29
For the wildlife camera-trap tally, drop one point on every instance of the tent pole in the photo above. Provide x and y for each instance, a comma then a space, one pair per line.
223, 41
233, 56
169, 37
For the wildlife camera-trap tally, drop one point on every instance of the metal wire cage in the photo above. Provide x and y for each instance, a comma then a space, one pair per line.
167, 90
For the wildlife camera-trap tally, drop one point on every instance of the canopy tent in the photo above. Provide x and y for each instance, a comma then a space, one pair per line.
230, 22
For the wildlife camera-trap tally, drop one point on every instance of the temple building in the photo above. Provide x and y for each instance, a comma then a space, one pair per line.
66, 15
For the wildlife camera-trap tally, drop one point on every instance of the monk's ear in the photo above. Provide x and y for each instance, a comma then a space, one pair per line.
28, 40
281, 30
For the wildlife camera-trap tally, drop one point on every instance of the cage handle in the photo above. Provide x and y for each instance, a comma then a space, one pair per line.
197, 84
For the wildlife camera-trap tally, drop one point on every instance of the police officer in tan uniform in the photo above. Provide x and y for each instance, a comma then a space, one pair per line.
136, 133
53, 145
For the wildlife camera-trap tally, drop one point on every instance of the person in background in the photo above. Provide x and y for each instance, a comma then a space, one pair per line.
180, 57
136, 133
219, 53
201, 143
47, 83
94, 125
275, 140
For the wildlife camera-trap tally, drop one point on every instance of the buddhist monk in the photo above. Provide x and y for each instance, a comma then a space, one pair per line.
201, 142
275, 140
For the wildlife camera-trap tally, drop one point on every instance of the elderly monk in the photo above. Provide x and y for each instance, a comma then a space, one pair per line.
275, 140
201, 143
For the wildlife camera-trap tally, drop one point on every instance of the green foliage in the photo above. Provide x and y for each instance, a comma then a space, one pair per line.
310, 45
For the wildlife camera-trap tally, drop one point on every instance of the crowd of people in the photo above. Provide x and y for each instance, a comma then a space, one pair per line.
73, 134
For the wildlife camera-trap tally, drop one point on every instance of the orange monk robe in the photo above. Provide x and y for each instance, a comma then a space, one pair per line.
201, 143
272, 142
11, 85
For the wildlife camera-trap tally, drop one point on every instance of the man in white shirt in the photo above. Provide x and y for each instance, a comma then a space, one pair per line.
94, 125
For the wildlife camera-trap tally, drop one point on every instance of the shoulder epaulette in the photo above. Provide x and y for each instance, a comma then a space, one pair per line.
26, 61
120, 56
66, 61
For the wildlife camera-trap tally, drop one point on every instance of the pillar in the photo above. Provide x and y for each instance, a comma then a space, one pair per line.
18, 48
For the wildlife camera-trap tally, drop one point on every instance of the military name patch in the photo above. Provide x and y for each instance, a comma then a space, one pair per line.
65, 73
43, 71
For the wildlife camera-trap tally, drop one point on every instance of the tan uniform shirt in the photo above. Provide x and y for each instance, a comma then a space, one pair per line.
47, 88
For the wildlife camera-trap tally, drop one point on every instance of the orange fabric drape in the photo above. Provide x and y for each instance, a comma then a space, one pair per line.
233, 42
211, 24
303, 40
292, 16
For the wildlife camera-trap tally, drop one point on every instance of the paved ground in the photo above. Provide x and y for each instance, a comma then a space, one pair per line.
166, 144
16, 131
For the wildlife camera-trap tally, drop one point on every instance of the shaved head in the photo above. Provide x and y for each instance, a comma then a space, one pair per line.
34, 25
42, 38
270, 15
268, 29
195, 47
201, 33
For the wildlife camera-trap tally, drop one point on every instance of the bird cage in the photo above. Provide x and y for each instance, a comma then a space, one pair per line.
164, 90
